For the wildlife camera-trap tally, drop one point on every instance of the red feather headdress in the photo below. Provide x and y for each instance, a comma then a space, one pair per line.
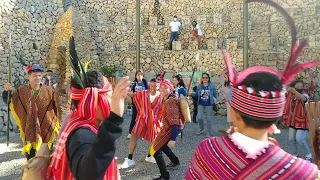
264, 104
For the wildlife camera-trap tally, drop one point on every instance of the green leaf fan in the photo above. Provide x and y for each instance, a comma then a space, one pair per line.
79, 77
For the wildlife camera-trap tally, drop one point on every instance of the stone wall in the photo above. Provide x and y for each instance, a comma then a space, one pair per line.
105, 33
31, 23
269, 37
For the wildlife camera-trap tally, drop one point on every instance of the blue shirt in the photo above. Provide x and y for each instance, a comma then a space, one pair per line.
204, 99
138, 86
180, 90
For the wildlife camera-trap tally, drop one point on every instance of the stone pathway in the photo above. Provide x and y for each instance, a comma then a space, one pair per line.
11, 160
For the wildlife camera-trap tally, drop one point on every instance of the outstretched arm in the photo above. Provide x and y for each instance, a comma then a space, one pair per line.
90, 155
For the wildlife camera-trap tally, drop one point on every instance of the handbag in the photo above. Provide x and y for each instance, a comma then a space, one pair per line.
215, 107
36, 173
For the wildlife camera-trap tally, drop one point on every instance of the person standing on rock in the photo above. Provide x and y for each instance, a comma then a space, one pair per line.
139, 84
147, 126
34, 107
172, 124
174, 29
196, 32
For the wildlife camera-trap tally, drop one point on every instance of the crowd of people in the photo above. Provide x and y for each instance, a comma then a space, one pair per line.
80, 151
256, 99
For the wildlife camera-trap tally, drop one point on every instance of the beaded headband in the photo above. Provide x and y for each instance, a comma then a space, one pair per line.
266, 105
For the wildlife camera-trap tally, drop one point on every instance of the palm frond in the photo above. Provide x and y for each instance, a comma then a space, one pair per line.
76, 78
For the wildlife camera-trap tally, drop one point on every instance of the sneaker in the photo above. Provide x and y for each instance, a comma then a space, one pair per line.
172, 165
129, 136
200, 132
309, 157
151, 159
127, 163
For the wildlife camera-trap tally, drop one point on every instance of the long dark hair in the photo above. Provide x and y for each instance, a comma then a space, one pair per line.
296, 82
143, 80
209, 80
179, 78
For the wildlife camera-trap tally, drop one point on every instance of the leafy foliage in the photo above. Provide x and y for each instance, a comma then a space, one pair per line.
108, 71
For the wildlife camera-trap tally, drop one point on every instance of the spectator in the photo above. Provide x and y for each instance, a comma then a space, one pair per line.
196, 32
174, 29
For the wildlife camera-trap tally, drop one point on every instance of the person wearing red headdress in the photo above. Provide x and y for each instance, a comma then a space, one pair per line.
257, 103
86, 146
35, 108
147, 125
172, 124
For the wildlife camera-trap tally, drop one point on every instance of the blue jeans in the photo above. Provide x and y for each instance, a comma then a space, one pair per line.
299, 137
208, 110
173, 37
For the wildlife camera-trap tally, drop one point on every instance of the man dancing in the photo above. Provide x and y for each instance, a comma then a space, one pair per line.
172, 124
34, 107
258, 100
147, 126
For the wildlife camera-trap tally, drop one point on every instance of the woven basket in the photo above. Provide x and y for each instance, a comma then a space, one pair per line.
36, 173
184, 108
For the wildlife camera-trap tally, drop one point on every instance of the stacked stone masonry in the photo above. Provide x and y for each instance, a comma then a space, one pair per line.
105, 33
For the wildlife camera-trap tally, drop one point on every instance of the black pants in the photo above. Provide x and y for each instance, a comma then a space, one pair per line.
32, 154
195, 113
161, 163
133, 118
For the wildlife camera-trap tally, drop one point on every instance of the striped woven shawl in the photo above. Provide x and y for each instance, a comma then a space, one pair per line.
219, 158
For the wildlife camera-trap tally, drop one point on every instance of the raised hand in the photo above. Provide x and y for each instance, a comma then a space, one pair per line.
119, 95
7, 87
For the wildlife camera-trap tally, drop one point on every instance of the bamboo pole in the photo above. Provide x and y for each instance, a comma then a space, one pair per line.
193, 72
245, 35
137, 35
9, 80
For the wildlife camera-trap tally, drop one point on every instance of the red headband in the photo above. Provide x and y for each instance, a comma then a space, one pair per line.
90, 97
166, 83
266, 104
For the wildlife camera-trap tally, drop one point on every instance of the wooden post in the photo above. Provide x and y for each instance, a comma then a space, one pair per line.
9, 80
193, 72
313, 111
245, 35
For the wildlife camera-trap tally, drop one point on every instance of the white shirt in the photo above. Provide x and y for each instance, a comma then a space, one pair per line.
251, 147
152, 98
175, 26
199, 30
